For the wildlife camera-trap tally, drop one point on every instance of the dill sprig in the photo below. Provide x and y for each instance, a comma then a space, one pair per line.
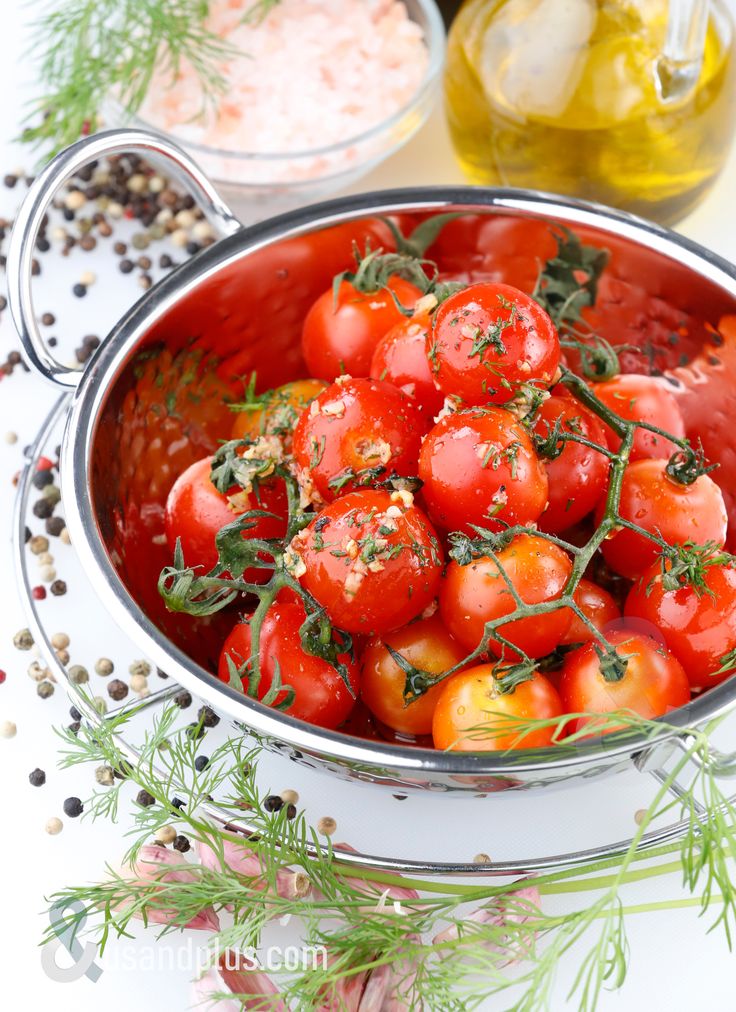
343, 909
89, 50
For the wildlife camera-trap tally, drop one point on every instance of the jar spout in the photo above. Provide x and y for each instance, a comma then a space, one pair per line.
677, 70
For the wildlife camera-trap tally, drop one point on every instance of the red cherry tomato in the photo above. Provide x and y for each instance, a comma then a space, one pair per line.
659, 504
653, 684
479, 466
477, 593
488, 340
698, 624
340, 334
277, 412
373, 562
401, 358
473, 699
643, 399
577, 478
428, 646
196, 511
355, 432
321, 695
599, 607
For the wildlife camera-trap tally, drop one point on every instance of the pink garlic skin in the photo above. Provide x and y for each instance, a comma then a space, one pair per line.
526, 900
222, 978
391, 988
238, 858
156, 864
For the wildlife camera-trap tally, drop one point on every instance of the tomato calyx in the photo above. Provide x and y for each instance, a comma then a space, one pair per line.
687, 464
568, 282
239, 674
418, 681
421, 238
508, 677
375, 269
686, 565
610, 662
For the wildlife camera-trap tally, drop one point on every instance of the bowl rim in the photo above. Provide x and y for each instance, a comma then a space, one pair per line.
261, 721
435, 38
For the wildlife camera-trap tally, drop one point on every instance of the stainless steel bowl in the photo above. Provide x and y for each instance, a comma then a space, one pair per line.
209, 309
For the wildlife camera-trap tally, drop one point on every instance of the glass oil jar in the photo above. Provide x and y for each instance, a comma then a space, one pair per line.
583, 98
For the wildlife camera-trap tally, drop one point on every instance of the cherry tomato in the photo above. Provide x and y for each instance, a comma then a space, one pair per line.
473, 699
659, 504
428, 646
340, 334
698, 624
370, 559
277, 412
598, 605
196, 511
643, 399
577, 478
401, 358
477, 593
354, 432
321, 695
479, 466
488, 340
653, 683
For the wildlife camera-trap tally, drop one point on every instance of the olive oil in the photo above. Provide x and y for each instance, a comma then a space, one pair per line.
561, 95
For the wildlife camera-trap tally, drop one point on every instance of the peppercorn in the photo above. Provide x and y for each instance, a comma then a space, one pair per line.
120, 248
104, 776
75, 726
208, 716
291, 812
37, 778
140, 668
52, 494
177, 803
145, 263
326, 825
79, 290
182, 844
273, 803
23, 640
54, 526
104, 667
144, 799
43, 509
161, 674
3, 676
10, 180
45, 689
126, 266
38, 593
73, 807
48, 319
201, 763
58, 588
166, 834
182, 699
54, 826
78, 674
195, 731
100, 705
165, 261
117, 689
289, 797
41, 479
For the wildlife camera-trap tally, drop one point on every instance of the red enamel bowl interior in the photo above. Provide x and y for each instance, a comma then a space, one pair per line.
167, 406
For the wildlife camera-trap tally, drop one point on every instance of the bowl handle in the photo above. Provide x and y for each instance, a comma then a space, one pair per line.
38, 199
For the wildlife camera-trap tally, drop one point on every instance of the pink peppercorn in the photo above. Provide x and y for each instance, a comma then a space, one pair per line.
38, 593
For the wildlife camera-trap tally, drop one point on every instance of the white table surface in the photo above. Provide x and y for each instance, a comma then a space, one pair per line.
673, 964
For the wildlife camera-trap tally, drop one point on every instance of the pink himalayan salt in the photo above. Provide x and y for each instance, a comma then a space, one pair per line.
318, 72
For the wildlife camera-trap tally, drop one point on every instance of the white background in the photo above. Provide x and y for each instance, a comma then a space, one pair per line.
673, 964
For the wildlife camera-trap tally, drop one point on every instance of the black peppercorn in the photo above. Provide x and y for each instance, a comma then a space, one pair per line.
43, 508
273, 803
74, 713
117, 689
10, 180
37, 778
54, 526
208, 716
73, 807
144, 799
126, 266
74, 728
177, 803
291, 811
58, 588
195, 731
79, 290
48, 319
161, 674
201, 763
42, 245
183, 699
182, 844
42, 478
192, 248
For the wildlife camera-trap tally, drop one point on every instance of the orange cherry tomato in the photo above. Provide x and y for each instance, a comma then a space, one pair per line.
277, 412
428, 646
473, 699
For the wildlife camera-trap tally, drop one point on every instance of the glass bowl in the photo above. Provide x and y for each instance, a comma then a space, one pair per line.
258, 185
